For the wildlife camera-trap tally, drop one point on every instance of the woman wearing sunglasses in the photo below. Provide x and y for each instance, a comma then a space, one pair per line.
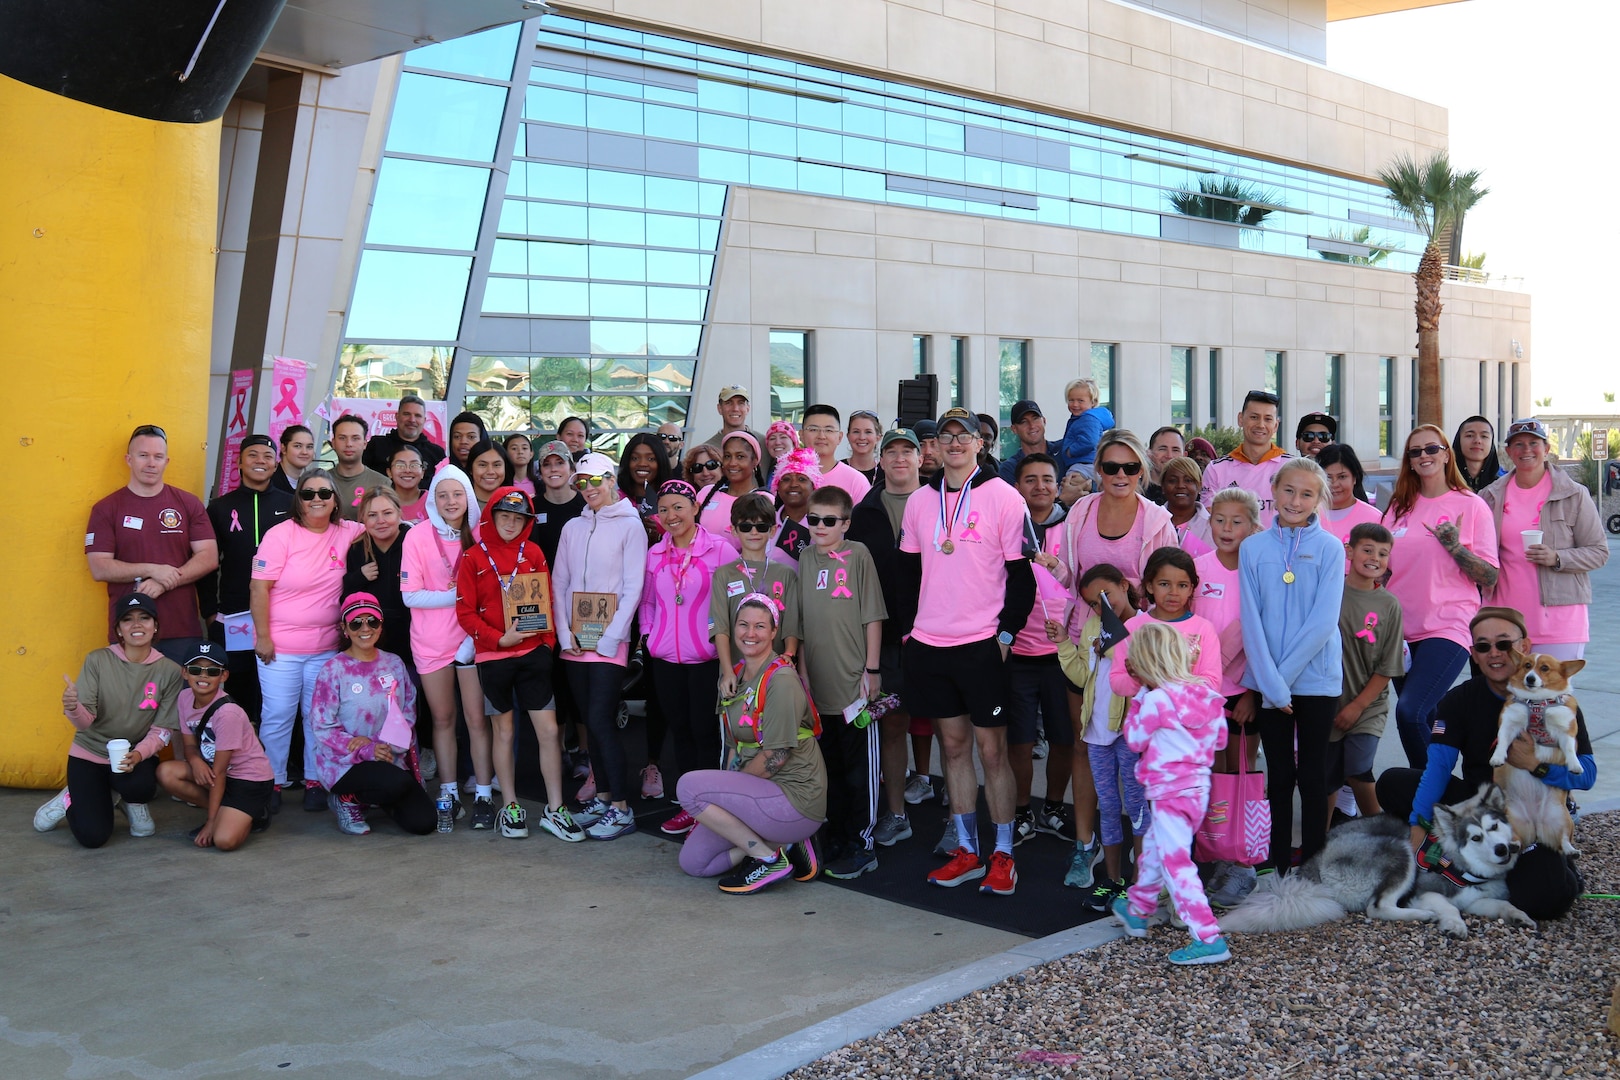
1444, 555
1116, 524
702, 466
364, 711
297, 586
225, 770
601, 566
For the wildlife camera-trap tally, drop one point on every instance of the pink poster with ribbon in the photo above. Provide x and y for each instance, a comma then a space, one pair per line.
286, 394
236, 427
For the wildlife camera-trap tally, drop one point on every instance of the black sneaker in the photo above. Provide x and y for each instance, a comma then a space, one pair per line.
852, 865
1102, 893
752, 875
483, 814
260, 823
275, 800
314, 798
1023, 826
1056, 820
803, 857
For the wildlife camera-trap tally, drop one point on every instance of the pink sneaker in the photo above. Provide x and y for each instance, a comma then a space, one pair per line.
652, 782
679, 825
587, 790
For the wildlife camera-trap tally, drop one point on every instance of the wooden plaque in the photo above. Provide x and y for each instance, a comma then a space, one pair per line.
591, 615
528, 602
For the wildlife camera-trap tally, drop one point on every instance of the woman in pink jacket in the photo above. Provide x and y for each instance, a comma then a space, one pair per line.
1117, 524
675, 626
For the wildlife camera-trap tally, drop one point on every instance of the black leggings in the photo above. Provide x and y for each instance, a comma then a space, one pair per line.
1310, 723
90, 791
597, 688
688, 694
377, 783
1397, 788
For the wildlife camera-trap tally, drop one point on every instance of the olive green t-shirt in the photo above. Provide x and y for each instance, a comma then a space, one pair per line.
735, 578
895, 506
839, 594
128, 699
786, 723
1370, 632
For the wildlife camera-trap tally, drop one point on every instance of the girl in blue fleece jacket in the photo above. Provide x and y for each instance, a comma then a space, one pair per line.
1291, 584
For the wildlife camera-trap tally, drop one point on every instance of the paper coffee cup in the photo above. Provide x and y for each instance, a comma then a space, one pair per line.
116, 749
1531, 537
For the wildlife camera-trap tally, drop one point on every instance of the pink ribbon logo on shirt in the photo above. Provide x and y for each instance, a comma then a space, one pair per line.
777, 592
841, 585
1367, 627
358, 491
337, 563
971, 530
149, 700
236, 522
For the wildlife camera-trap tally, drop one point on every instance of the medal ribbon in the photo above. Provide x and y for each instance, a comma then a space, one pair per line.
963, 501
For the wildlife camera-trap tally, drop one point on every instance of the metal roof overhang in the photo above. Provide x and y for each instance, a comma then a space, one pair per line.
332, 34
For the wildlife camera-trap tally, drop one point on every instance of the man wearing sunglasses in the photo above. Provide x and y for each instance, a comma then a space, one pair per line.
156, 538
674, 443
1253, 462
1314, 431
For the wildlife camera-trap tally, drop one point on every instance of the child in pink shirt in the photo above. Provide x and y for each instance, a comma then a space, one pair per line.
1234, 516
1176, 724
1170, 580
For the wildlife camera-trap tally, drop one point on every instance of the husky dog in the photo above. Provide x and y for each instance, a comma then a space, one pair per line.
1368, 865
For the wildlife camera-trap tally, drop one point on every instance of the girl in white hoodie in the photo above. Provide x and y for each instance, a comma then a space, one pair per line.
430, 555
604, 550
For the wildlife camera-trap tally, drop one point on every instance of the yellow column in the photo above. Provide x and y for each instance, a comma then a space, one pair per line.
107, 229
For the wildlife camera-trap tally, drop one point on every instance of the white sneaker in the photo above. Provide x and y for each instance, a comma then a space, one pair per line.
51, 814
428, 761
140, 818
514, 821
351, 818
919, 789
560, 823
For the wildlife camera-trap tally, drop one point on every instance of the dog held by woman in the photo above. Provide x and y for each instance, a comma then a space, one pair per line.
1368, 865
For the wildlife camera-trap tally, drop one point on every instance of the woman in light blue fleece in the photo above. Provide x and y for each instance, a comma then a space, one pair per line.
1291, 584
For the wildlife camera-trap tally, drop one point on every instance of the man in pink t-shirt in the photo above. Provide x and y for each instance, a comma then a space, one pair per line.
1253, 463
962, 550
822, 432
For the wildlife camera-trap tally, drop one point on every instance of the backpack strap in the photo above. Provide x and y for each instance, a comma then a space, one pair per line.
208, 714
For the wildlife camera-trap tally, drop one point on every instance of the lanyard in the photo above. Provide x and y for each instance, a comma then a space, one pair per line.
679, 573
1292, 554
505, 582
963, 501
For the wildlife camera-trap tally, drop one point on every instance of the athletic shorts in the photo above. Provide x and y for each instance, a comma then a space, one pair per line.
1351, 758
252, 797
1037, 693
1252, 729
524, 680
957, 680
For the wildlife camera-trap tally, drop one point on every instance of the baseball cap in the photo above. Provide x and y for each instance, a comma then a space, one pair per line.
1531, 426
357, 603
900, 434
1321, 419
555, 448
256, 440
729, 392
594, 464
136, 601
926, 429
1022, 409
513, 502
207, 650
959, 415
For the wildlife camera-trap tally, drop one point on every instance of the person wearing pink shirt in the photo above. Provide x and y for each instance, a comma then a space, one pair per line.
1234, 516
1252, 463
962, 553
1168, 584
1180, 479
1347, 502
797, 476
405, 474
739, 474
1445, 553
822, 432
296, 591
1117, 524
1547, 582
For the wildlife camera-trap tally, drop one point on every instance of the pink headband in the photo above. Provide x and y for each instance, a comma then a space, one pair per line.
759, 599
803, 461
678, 487
745, 437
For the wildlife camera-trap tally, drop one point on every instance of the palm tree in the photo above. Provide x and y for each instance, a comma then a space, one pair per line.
1435, 198
1225, 199
1377, 250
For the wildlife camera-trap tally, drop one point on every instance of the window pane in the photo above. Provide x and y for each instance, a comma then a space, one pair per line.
789, 352
919, 353
405, 295
1274, 368
446, 118
958, 369
1103, 357
426, 204
388, 371
1215, 386
1181, 377
1013, 383
1334, 375
487, 54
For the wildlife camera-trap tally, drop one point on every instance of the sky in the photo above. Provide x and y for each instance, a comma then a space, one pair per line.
1530, 87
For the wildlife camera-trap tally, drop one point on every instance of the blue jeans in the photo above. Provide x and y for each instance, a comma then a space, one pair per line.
1436, 662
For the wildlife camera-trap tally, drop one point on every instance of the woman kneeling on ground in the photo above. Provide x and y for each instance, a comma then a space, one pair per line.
364, 722
125, 693
755, 817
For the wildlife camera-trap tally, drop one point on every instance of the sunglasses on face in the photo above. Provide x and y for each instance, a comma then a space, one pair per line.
1316, 436
752, 526
1114, 468
705, 466
1485, 648
670, 438
1418, 451
365, 622
827, 521
312, 494
584, 482
206, 671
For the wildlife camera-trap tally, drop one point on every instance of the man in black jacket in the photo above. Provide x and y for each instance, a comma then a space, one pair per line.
411, 420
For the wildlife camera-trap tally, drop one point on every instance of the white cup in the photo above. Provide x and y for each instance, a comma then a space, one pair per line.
116, 749
1531, 537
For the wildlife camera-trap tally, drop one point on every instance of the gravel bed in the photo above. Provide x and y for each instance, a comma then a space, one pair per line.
1356, 998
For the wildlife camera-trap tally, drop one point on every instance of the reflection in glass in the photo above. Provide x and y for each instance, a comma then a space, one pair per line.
487, 54
1181, 375
1104, 358
446, 118
790, 351
368, 370
399, 294
427, 204
1012, 386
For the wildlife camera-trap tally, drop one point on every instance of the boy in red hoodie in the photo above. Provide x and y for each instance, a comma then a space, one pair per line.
513, 665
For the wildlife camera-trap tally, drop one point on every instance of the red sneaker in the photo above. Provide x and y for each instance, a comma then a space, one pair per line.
964, 866
1003, 877
679, 825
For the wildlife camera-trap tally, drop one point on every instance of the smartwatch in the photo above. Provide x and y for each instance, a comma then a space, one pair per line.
1540, 771
1004, 638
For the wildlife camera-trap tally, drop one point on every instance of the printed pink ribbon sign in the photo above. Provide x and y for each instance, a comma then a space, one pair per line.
149, 697
235, 429
970, 531
286, 394
841, 585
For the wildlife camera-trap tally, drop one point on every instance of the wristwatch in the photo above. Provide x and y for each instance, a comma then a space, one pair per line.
1004, 638
1540, 771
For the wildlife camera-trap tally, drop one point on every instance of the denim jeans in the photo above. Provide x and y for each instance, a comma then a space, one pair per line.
1436, 662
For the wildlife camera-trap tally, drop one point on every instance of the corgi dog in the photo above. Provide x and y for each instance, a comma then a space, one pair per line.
1539, 702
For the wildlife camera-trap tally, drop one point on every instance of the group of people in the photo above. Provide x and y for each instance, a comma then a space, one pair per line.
1149, 612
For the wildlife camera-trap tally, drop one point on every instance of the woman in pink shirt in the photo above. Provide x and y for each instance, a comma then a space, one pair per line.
1117, 524
1348, 505
296, 591
406, 472
1444, 554
739, 465
1547, 582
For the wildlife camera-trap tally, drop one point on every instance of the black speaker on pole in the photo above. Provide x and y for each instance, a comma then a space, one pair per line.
919, 397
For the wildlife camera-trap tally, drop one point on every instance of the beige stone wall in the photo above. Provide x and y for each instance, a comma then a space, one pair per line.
866, 277
1100, 59
1295, 26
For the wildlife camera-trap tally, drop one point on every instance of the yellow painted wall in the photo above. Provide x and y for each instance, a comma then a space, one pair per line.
107, 226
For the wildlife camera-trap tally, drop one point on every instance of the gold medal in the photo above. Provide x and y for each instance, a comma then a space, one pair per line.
1288, 577
680, 599
947, 547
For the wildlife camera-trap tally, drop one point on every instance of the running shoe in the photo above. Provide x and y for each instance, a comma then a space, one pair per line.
428, 762
514, 821
1023, 825
652, 782
1102, 893
1202, 952
483, 814
964, 866
1040, 749
1135, 925
1082, 866
590, 813
852, 865
919, 789
949, 840
561, 824
314, 798
891, 829
1056, 821
140, 818
1003, 877
587, 790
612, 825
806, 866
679, 825
350, 817
752, 875
50, 815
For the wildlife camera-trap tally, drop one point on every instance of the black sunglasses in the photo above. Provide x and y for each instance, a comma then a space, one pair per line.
1262, 395
1418, 451
1317, 436
752, 526
149, 431
1485, 648
369, 622
207, 671
1114, 468
671, 438
705, 466
312, 494
828, 520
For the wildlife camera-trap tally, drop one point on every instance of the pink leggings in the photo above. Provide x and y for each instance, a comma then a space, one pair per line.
753, 800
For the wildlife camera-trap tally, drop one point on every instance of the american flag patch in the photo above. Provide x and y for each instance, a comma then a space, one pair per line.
260, 564
404, 577
1439, 726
